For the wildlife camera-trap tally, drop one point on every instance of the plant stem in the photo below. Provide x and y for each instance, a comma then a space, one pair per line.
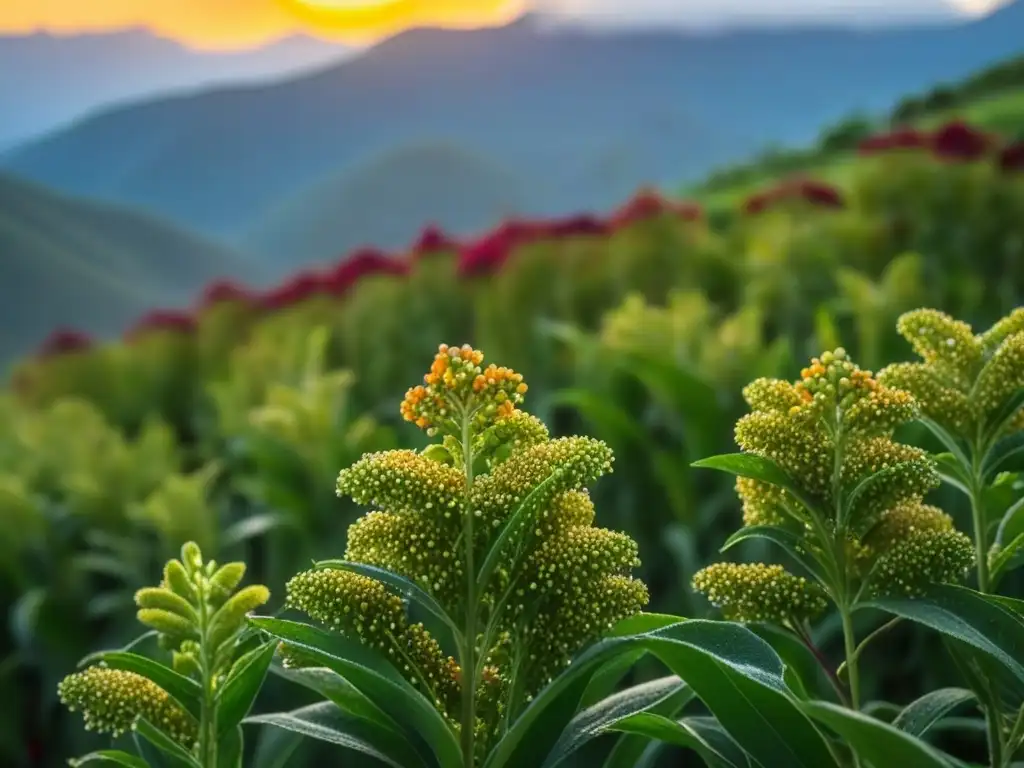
978, 516
867, 640
208, 711
469, 652
995, 736
850, 643
833, 678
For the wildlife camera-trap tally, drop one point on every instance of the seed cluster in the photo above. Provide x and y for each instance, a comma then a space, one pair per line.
559, 583
402, 481
112, 700
363, 608
965, 380
457, 383
759, 592
832, 434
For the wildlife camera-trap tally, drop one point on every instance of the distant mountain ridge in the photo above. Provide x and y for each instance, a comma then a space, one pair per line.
65, 261
47, 80
581, 117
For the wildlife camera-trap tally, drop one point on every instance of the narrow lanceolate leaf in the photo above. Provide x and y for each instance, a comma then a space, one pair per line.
114, 756
952, 472
679, 733
275, 747
236, 696
1004, 454
919, 716
595, 720
636, 750
513, 529
165, 743
756, 468
735, 673
326, 722
952, 444
184, 690
970, 617
229, 748
374, 676
874, 741
1006, 412
1008, 551
404, 587
791, 542
341, 692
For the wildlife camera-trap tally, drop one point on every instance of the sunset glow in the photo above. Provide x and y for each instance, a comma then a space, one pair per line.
244, 23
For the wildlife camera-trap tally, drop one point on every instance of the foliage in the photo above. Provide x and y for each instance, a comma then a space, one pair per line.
227, 425
190, 709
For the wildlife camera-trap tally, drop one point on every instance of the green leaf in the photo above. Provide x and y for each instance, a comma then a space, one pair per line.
792, 542
275, 747
919, 716
512, 529
803, 672
756, 468
229, 749
340, 691
115, 756
164, 743
679, 733
1003, 452
607, 678
404, 587
595, 720
874, 741
735, 673
1004, 414
952, 443
952, 472
375, 677
325, 722
642, 623
236, 696
634, 751
184, 690
967, 616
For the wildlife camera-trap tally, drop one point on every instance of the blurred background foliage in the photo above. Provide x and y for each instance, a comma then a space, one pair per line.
228, 426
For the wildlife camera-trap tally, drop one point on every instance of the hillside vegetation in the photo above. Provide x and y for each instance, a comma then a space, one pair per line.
65, 261
992, 99
586, 117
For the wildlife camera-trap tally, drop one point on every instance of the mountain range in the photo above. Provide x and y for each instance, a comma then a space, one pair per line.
576, 118
47, 80
96, 267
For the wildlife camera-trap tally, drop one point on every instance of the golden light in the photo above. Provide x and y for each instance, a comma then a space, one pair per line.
370, 19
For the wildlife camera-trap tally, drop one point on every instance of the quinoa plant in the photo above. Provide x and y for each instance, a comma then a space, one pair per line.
822, 477
970, 388
189, 710
479, 618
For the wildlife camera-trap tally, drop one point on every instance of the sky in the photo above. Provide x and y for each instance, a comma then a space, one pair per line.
232, 24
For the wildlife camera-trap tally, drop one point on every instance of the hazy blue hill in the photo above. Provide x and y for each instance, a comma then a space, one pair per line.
47, 80
72, 262
385, 203
566, 109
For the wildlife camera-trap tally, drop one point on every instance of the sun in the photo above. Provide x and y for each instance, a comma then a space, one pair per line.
369, 19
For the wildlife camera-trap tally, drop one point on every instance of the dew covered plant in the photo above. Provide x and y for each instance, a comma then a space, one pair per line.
494, 524
970, 390
191, 708
821, 476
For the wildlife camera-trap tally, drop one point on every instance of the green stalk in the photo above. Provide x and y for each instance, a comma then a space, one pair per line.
469, 652
208, 711
850, 642
978, 517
